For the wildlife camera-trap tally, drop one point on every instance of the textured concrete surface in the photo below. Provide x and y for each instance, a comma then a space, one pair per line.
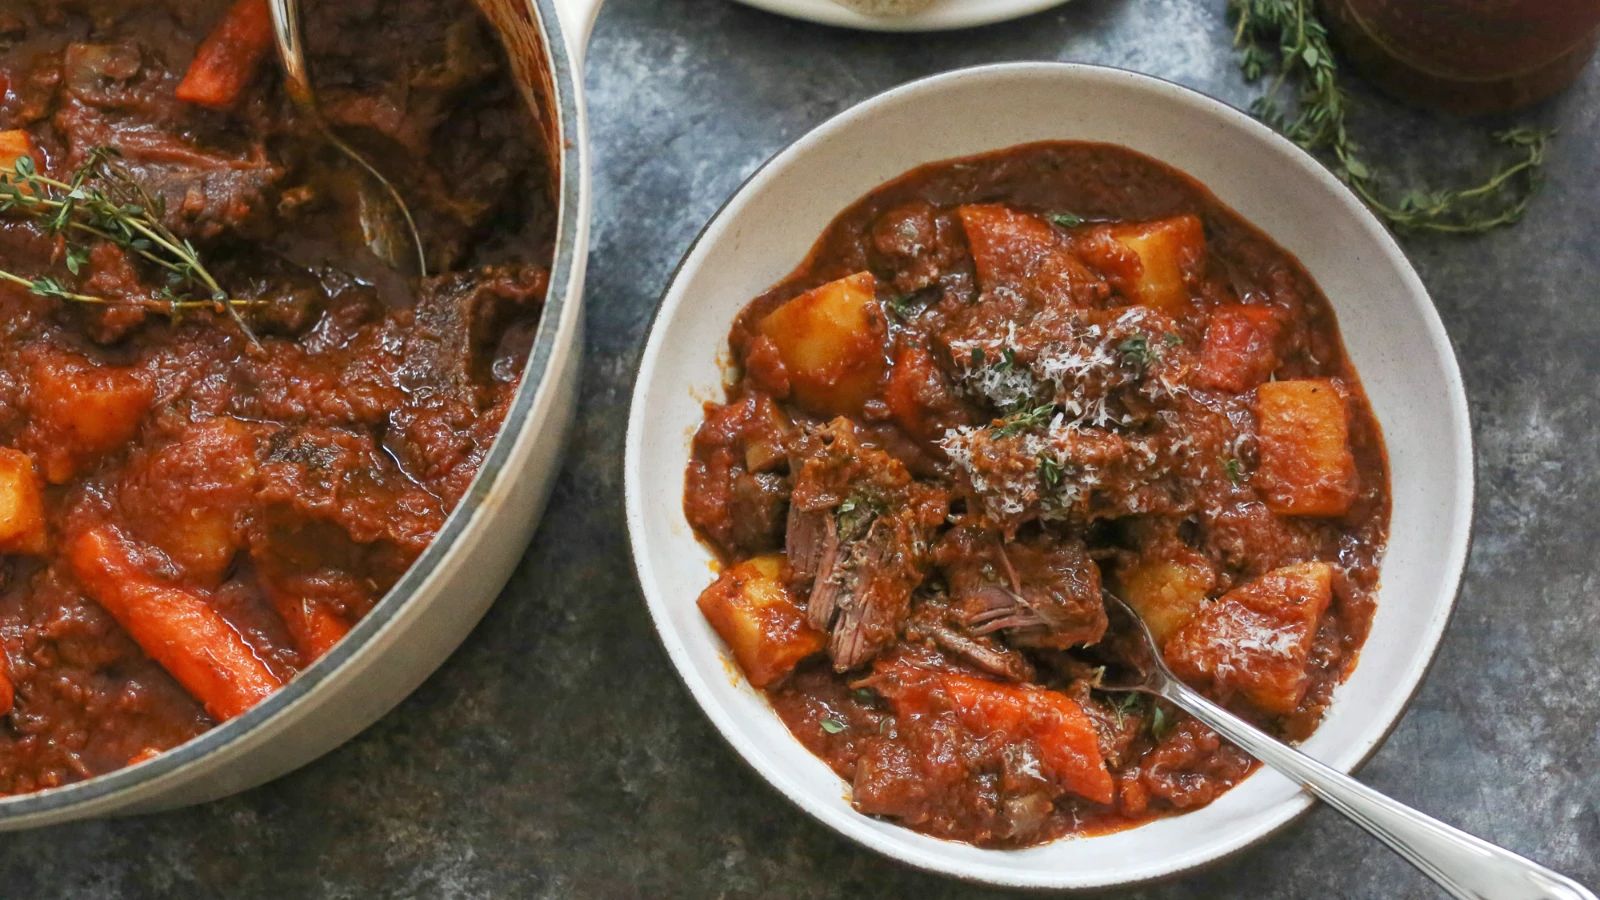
556, 755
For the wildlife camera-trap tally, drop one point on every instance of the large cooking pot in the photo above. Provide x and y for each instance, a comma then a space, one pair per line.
428, 613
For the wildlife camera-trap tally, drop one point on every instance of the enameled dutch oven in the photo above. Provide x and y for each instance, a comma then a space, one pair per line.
428, 613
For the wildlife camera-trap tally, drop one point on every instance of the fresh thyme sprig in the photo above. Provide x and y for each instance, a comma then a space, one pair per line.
1286, 37
103, 201
1023, 421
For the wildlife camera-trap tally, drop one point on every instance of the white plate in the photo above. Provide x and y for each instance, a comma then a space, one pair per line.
942, 16
1390, 327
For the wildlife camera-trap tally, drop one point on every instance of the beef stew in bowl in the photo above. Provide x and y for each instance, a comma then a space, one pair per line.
998, 386
1391, 335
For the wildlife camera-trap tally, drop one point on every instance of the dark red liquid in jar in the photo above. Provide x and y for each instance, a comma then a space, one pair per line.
1472, 56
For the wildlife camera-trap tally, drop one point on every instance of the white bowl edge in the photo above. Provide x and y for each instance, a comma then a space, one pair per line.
945, 15
1403, 355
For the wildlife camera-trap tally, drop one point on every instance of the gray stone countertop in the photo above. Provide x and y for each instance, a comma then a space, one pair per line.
557, 755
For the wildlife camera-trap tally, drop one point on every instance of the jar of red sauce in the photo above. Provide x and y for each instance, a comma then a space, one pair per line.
1470, 56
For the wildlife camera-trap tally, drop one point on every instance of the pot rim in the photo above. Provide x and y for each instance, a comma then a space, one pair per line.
557, 327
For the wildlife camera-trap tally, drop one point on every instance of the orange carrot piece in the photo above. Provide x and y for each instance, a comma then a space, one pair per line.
1066, 737
229, 56
1067, 741
313, 627
14, 145
175, 627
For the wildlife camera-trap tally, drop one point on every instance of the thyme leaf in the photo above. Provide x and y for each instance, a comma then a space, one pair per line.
1138, 351
1023, 421
1159, 726
1234, 469
832, 726
102, 200
1066, 220
1050, 471
1124, 705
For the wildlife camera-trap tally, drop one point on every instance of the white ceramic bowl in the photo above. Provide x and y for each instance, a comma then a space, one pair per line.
943, 15
1389, 325
433, 607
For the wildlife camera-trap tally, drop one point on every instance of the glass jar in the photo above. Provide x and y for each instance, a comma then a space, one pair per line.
1470, 56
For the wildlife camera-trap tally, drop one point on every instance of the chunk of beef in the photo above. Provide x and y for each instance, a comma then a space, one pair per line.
1042, 591
859, 525
937, 622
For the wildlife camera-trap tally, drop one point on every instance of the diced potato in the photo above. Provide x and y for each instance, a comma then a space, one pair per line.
22, 528
831, 342
1025, 256
1238, 352
189, 497
1257, 639
1306, 465
1166, 593
79, 410
753, 613
1170, 252
14, 145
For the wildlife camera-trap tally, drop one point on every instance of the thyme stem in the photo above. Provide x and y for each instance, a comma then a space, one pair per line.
105, 201
1287, 37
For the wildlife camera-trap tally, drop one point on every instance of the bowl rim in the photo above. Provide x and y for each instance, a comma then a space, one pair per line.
557, 328
949, 17
851, 826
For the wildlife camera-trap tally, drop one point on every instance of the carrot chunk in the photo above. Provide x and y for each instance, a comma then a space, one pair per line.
1068, 745
313, 627
1238, 352
229, 56
831, 342
752, 611
14, 145
1306, 465
22, 525
175, 627
1257, 639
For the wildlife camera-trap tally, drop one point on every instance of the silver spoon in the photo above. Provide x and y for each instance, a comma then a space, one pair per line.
1469, 868
384, 234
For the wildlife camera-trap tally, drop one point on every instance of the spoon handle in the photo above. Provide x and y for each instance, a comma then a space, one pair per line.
1468, 867
291, 51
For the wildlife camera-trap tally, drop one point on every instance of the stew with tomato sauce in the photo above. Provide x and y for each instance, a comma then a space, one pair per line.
998, 387
226, 428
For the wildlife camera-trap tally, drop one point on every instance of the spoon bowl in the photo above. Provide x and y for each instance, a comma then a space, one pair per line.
386, 220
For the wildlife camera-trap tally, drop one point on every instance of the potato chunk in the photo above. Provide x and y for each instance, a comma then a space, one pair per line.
1306, 465
1170, 253
190, 497
831, 342
1166, 593
1257, 638
79, 411
752, 612
22, 528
